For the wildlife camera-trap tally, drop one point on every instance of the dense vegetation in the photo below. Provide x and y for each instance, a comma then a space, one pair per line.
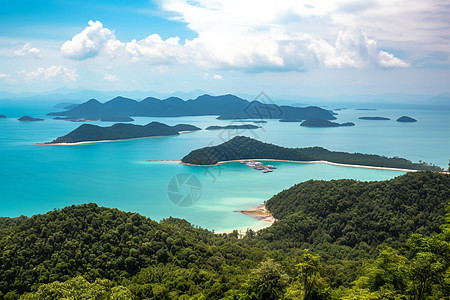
89, 132
366, 240
241, 147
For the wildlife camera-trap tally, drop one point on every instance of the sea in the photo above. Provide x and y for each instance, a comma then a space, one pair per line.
37, 179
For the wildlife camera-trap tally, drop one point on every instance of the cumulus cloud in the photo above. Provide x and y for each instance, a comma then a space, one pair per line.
52, 72
89, 42
28, 50
217, 77
232, 34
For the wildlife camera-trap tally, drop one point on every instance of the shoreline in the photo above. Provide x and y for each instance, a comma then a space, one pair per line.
106, 141
303, 162
259, 213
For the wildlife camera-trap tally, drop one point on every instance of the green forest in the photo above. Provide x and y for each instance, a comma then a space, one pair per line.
241, 147
339, 239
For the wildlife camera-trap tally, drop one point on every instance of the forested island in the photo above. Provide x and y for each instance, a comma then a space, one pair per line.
324, 123
227, 107
406, 119
244, 126
339, 239
29, 119
241, 148
94, 133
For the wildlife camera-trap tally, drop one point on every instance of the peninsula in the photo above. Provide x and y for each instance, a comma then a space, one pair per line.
3, 116
324, 123
93, 133
29, 119
226, 107
244, 148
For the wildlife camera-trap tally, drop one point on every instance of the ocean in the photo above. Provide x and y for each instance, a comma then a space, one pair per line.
36, 179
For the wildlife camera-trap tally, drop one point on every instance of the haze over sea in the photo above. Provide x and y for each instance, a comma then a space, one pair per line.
36, 179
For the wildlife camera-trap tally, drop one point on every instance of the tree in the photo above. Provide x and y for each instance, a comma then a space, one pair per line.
267, 282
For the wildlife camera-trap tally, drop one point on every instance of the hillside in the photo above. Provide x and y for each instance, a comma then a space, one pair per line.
91, 252
348, 218
241, 147
225, 106
90, 133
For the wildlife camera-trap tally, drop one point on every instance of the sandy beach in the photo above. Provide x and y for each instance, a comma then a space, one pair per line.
304, 162
259, 213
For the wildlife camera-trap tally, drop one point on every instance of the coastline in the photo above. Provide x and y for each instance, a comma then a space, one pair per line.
106, 141
304, 162
259, 213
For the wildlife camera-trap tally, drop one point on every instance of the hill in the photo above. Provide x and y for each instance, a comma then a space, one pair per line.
348, 218
406, 119
92, 133
91, 252
241, 147
225, 106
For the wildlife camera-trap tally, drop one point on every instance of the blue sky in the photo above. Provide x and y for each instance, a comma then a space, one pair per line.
301, 47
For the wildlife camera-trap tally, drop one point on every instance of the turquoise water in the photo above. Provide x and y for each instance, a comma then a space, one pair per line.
36, 179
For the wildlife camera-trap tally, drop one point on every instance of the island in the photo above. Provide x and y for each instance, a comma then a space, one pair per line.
260, 122
29, 119
245, 126
3, 116
92, 133
324, 123
226, 107
291, 120
245, 148
374, 118
406, 119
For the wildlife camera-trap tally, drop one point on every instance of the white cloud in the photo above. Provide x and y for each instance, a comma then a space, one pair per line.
90, 42
390, 61
52, 72
217, 77
28, 50
294, 36
110, 77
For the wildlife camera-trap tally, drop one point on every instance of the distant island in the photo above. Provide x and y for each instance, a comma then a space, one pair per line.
29, 119
324, 123
374, 118
259, 122
368, 109
3, 116
406, 119
291, 120
226, 107
93, 133
241, 148
245, 126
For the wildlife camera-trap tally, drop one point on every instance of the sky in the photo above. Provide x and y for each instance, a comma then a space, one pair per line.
296, 47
